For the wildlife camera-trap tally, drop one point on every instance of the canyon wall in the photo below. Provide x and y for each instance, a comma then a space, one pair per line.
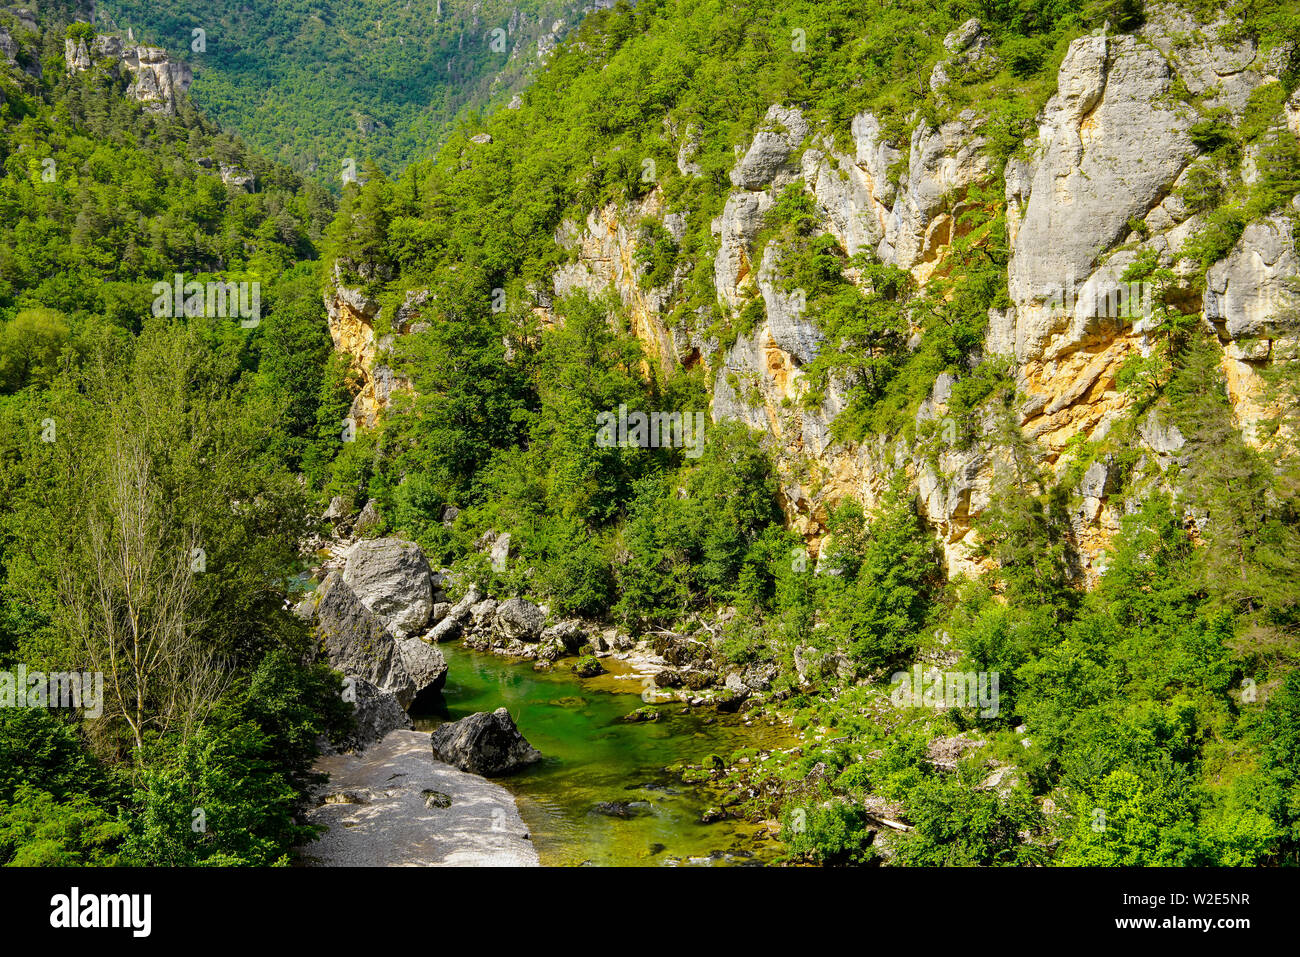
1098, 189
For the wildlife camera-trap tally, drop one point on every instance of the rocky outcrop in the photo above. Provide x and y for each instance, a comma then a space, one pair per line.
238, 178
1223, 71
157, 81
768, 161
1110, 147
386, 673
1250, 294
483, 743
1099, 187
968, 45
351, 316
605, 258
942, 164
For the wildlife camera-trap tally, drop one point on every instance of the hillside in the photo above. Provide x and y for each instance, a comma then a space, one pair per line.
151, 515
900, 399
313, 84
992, 320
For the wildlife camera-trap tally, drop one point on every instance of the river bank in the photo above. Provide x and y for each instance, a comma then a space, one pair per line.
393, 805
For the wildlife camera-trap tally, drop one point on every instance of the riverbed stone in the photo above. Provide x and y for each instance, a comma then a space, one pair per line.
424, 662
462, 609
484, 743
449, 629
518, 619
569, 633
375, 714
482, 614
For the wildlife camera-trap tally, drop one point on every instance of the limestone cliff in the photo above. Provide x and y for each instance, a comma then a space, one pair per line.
1098, 189
157, 81
351, 316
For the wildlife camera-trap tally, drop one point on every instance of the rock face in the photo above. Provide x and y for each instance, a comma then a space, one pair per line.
392, 579
483, 743
9, 48
1248, 295
1109, 148
157, 81
768, 156
1102, 183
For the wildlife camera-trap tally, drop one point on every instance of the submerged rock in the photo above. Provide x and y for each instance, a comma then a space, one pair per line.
624, 810
483, 743
641, 715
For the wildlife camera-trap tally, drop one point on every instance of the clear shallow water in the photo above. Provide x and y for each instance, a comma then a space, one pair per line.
592, 757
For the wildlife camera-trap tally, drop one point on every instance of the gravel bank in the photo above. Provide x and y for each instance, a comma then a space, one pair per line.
383, 809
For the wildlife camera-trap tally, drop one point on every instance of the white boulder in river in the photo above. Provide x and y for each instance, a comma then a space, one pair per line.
392, 579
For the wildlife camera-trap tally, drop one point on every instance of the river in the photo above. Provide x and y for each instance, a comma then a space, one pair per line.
592, 757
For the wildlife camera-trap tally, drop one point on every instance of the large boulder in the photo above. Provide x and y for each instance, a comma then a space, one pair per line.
376, 714
391, 578
483, 614
568, 634
356, 642
519, 620
483, 743
424, 662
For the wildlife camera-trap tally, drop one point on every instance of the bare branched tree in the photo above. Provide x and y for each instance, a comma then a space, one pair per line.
128, 601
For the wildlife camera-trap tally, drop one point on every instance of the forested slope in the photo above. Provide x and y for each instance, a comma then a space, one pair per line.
151, 513
877, 245
314, 84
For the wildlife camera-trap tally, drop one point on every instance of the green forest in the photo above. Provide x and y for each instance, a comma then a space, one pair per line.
311, 85
1163, 701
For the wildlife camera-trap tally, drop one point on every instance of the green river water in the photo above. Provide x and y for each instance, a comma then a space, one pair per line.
592, 757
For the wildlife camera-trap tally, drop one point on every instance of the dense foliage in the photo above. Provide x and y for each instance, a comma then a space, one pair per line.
1154, 719
151, 513
312, 85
